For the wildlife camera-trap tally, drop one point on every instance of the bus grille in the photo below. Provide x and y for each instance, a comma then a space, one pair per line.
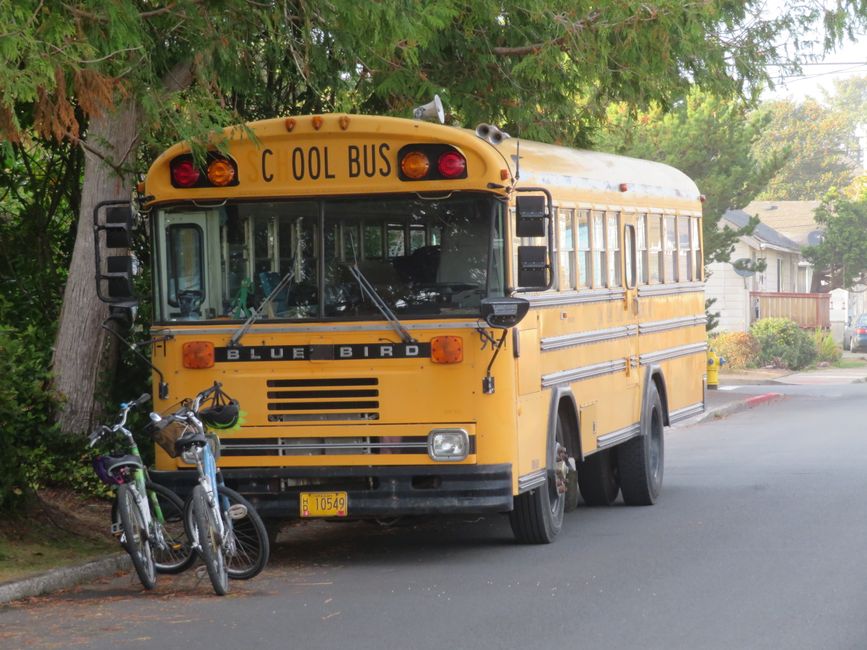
317, 400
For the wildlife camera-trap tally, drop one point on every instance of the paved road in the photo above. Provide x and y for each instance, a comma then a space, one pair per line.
758, 541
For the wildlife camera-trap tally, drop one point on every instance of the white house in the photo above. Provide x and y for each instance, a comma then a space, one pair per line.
783, 273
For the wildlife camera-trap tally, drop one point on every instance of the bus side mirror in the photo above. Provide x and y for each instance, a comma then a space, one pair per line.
114, 272
534, 272
530, 214
503, 313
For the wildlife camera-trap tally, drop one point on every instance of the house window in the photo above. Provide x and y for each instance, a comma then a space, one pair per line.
779, 275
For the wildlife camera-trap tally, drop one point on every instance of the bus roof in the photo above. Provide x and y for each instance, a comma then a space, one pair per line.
341, 154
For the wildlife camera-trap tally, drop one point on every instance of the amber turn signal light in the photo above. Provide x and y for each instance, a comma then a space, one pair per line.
198, 354
447, 349
221, 172
415, 165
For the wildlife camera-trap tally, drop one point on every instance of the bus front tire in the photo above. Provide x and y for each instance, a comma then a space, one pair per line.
597, 479
640, 460
537, 516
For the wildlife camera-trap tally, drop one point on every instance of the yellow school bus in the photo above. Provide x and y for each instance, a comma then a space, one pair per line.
422, 319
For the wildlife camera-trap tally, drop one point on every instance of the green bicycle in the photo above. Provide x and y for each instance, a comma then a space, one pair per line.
147, 518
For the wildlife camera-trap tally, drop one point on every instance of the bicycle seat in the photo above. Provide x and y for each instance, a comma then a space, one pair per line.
114, 463
189, 438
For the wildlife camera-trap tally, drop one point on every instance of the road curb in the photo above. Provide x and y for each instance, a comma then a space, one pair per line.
738, 405
64, 577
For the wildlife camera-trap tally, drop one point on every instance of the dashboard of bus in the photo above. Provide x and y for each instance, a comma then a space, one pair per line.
324, 259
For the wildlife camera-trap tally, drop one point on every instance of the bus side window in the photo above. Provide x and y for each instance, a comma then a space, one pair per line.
629, 256
670, 249
597, 244
585, 262
612, 240
372, 242
655, 262
698, 263
567, 248
684, 255
641, 264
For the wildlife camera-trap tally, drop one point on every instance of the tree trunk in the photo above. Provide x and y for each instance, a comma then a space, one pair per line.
80, 348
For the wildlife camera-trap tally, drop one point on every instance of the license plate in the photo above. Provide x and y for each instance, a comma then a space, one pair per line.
324, 504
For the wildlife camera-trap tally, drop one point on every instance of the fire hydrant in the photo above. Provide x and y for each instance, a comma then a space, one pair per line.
713, 365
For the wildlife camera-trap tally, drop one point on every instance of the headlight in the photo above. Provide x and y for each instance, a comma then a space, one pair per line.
189, 455
448, 444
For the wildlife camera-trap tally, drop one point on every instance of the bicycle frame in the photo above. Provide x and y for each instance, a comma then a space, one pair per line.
146, 500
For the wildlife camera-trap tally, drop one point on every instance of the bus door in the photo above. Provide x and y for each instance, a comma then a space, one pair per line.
631, 304
187, 241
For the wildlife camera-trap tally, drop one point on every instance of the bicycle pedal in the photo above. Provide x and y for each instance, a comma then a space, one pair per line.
201, 572
237, 511
116, 529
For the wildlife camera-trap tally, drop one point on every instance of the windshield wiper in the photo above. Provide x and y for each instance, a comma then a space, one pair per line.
235, 341
368, 290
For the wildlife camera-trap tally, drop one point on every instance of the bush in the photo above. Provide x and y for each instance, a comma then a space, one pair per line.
739, 349
826, 348
783, 343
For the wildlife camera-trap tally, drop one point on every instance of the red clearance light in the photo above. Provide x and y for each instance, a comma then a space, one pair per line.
185, 173
623, 187
451, 164
861, 330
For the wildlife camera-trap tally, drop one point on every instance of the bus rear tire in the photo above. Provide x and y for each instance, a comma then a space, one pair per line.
597, 479
537, 516
640, 460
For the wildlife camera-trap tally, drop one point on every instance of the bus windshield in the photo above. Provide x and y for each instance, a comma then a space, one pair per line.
423, 257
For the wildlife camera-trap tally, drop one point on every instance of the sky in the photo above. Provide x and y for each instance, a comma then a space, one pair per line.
849, 60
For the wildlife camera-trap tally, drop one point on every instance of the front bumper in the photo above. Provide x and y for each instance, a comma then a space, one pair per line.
372, 491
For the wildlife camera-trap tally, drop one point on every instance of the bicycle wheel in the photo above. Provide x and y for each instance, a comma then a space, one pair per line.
174, 553
247, 546
135, 539
210, 546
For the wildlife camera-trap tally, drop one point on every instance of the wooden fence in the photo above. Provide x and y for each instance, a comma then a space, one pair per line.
809, 310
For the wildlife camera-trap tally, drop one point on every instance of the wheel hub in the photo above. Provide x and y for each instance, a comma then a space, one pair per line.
561, 468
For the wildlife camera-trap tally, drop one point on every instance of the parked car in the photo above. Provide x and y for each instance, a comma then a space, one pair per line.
855, 335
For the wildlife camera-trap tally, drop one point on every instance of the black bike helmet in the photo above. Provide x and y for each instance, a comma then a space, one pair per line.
222, 413
221, 416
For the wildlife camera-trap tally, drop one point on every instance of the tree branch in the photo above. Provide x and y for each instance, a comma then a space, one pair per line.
534, 48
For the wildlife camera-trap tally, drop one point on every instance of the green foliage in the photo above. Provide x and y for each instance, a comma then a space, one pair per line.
817, 143
783, 343
841, 257
738, 349
827, 349
712, 316
723, 167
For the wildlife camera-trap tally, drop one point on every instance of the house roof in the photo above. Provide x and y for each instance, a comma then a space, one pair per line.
763, 232
794, 219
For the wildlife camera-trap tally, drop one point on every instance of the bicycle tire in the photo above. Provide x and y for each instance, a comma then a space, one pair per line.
135, 539
210, 547
252, 548
178, 554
